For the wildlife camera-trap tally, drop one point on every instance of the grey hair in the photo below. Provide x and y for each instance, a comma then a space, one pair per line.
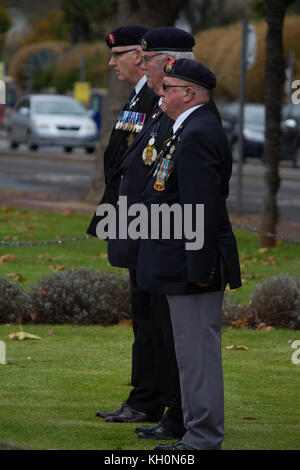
179, 54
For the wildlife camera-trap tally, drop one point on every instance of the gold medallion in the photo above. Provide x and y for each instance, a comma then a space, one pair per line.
149, 155
159, 185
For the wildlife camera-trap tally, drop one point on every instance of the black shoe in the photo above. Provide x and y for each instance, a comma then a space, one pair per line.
157, 432
176, 446
105, 414
179, 446
129, 415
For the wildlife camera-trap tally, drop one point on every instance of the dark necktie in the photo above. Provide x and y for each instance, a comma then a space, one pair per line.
131, 96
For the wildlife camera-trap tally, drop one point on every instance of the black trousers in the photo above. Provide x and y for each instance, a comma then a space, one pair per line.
155, 375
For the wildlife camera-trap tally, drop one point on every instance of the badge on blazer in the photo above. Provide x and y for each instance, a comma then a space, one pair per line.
149, 154
111, 38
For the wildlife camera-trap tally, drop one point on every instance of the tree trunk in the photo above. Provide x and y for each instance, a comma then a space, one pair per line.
274, 79
152, 14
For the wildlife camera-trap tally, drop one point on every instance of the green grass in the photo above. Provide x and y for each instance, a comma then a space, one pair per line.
32, 263
51, 388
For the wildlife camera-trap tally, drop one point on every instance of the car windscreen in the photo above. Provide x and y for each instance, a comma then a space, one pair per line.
254, 115
58, 107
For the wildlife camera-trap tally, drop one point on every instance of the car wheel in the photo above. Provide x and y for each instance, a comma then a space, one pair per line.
68, 149
30, 144
90, 149
12, 143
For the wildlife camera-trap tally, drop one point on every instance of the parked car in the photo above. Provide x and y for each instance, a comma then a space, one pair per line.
254, 132
51, 120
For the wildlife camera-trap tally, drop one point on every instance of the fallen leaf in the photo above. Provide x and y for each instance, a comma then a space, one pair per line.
21, 335
250, 418
69, 212
57, 267
50, 333
234, 347
263, 250
42, 255
5, 258
125, 322
263, 327
103, 256
17, 276
243, 322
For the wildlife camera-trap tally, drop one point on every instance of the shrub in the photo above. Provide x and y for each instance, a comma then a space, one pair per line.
12, 301
233, 313
80, 296
277, 302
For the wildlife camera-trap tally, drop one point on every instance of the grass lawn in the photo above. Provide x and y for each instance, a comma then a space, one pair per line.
51, 388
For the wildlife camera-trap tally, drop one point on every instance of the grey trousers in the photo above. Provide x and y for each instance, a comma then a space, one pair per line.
196, 322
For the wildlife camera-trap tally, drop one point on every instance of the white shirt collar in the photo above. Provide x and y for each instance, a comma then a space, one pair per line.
182, 117
140, 84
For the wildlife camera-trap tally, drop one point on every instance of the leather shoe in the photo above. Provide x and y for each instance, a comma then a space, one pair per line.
156, 432
176, 446
105, 414
179, 446
129, 415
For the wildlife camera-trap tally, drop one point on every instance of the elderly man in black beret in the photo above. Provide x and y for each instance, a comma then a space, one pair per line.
143, 403
192, 267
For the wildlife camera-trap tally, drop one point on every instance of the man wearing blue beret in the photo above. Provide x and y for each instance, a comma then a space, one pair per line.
192, 267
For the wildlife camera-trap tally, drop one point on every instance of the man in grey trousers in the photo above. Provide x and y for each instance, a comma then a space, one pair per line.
192, 266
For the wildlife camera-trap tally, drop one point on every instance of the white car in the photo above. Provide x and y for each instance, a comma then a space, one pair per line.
51, 120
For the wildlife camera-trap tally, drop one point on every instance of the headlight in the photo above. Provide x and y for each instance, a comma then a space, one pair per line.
42, 125
91, 126
253, 135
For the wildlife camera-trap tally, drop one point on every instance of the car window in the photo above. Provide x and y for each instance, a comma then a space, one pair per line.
58, 107
254, 114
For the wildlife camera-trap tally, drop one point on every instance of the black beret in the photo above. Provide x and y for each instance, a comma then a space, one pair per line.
125, 36
191, 71
167, 38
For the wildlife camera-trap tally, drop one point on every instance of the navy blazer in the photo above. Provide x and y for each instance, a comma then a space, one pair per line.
202, 169
134, 175
118, 144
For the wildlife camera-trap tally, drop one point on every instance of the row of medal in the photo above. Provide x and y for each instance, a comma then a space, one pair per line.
130, 121
165, 164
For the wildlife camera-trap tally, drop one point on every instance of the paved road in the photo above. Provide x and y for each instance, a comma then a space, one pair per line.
69, 176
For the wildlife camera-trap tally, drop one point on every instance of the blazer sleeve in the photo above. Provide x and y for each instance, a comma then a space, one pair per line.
199, 183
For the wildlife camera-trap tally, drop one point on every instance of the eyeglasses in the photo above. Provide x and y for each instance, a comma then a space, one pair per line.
115, 55
147, 58
165, 86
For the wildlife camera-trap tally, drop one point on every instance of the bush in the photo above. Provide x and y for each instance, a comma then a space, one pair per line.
277, 302
233, 313
80, 296
12, 301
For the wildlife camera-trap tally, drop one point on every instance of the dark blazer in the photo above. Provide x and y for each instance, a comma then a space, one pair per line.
134, 175
201, 173
118, 144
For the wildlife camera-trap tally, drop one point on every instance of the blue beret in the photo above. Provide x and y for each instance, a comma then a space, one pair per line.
191, 71
125, 36
167, 38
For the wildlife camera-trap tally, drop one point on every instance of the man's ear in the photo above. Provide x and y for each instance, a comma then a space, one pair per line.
189, 93
138, 56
